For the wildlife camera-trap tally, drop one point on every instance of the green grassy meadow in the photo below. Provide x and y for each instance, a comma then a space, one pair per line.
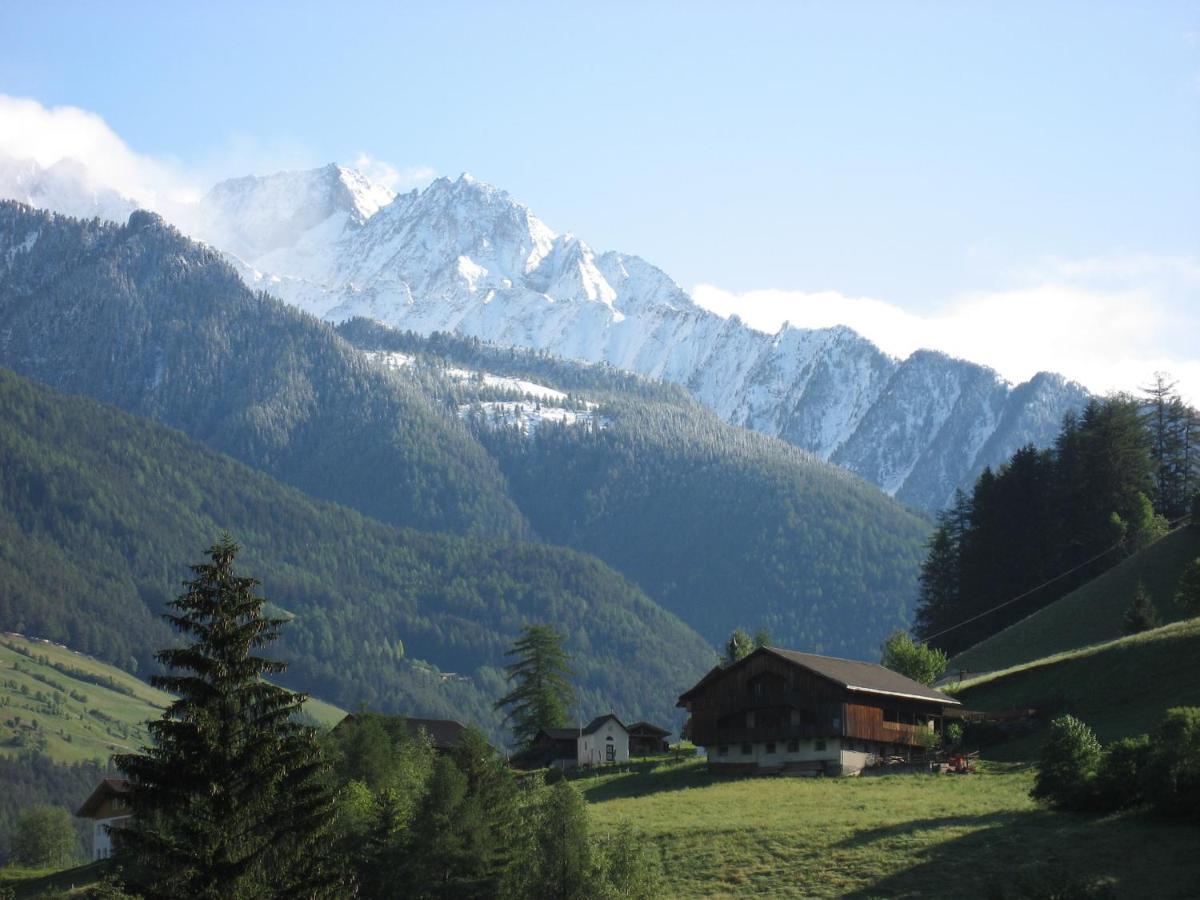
1093, 613
1120, 687
83, 709
894, 836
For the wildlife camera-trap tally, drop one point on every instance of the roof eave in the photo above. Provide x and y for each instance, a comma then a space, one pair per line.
867, 690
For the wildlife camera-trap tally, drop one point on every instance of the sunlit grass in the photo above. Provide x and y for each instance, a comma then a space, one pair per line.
890, 836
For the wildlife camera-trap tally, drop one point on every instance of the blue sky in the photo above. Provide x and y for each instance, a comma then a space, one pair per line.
802, 160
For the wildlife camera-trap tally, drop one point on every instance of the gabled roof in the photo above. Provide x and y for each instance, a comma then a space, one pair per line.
649, 728
850, 674
595, 724
561, 734
109, 787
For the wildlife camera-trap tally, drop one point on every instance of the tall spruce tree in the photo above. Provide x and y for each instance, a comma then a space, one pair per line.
229, 800
542, 694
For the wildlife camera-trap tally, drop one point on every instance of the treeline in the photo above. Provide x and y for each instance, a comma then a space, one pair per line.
98, 507
533, 365
1049, 520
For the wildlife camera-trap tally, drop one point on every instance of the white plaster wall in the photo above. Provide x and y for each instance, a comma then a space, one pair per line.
592, 747
854, 761
806, 752
101, 841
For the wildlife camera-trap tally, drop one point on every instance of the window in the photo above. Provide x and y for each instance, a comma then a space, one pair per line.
723, 750
747, 749
771, 747
793, 746
819, 744
891, 715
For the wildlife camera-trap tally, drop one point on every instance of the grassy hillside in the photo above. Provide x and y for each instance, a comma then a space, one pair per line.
102, 512
1093, 613
899, 836
1120, 688
69, 706
84, 709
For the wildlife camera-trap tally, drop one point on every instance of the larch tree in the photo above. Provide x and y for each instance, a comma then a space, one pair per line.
229, 800
542, 695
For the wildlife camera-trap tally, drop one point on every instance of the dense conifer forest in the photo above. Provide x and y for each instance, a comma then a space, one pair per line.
100, 513
723, 526
138, 316
1119, 475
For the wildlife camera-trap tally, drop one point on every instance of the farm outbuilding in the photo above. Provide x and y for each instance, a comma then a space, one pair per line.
603, 741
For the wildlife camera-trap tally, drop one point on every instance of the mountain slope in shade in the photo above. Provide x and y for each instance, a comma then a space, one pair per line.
139, 316
101, 512
723, 526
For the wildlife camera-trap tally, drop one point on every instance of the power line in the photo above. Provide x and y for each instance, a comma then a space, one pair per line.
1173, 526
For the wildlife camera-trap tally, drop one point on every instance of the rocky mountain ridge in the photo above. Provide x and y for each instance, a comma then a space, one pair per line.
465, 257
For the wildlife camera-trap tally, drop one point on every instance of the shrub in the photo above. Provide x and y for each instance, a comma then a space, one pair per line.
1141, 615
1122, 771
1067, 765
45, 837
1173, 770
920, 662
626, 868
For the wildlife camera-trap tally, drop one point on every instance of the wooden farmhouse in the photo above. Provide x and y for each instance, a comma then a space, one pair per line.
107, 805
603, 741
784, 711
646, 739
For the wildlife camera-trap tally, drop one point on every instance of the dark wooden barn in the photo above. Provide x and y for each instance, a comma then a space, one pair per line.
782, 710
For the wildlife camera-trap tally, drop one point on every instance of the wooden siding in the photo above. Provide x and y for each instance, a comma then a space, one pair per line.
793, 704
865, 720
769, 699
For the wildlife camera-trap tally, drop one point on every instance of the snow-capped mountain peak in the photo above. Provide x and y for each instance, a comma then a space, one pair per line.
279, 220
464, 256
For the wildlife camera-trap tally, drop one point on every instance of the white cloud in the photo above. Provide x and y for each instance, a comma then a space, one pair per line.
29, 130
398, 180
1107, 323
47, 135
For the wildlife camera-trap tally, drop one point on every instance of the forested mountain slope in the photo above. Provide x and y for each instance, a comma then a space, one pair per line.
466, 257
101, 513
141, 317
723, 526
